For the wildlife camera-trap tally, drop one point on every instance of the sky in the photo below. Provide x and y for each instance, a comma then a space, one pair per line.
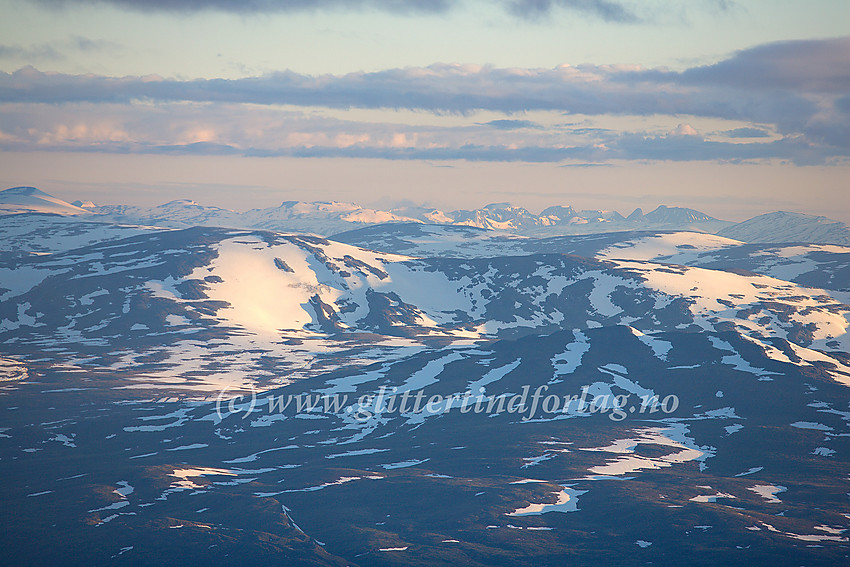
733, 108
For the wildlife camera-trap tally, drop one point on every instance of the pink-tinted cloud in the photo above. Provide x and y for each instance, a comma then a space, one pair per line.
799, 96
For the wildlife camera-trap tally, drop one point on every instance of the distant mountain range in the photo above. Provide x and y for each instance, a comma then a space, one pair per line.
783, 226
329, 218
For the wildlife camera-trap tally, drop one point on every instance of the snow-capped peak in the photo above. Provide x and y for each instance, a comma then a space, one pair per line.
32, 200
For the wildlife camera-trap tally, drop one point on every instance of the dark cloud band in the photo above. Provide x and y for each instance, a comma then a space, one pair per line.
796, 81
602, 9
262, 6
606, 10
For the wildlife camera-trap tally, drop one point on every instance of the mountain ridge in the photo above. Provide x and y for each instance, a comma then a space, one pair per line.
785, 226
26, 199
327, 218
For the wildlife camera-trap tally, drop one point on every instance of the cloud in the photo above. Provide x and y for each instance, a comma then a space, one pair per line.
747, 133
804, 104
723, 5
606, 10
506, 124
816, 65
631, 148
695, 148
37, 52
811, 65
82, 125
230, 129
610, 11
685, 130
55, 50
438, 88
810, 116
263, 6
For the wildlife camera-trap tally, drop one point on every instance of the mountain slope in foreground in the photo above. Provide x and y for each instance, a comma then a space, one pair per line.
233, 396
815, 265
